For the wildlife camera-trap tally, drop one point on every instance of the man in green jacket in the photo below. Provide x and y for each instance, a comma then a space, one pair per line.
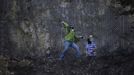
70, 40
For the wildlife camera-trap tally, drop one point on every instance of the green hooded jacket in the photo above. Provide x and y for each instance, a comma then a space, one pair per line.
70, 33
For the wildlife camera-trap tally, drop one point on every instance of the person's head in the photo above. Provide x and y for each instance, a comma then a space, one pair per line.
71, 27
90, 36
89, 41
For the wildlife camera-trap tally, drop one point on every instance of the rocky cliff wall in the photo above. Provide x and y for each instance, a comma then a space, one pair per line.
30, 27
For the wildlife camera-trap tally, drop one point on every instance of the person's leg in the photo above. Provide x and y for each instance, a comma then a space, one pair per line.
91, 55
77, 50
66, 46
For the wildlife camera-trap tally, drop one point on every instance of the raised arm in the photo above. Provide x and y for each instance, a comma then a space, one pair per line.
66, 26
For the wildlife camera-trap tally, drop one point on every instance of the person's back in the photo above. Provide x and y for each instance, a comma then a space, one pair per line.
90, 48
70, 33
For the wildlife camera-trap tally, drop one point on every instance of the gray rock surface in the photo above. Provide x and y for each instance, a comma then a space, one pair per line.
33, 26
29, 28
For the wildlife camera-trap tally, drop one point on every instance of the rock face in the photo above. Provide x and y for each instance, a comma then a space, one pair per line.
30, 27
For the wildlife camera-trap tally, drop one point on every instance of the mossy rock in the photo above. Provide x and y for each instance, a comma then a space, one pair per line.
4, 66
3, 63
24, 63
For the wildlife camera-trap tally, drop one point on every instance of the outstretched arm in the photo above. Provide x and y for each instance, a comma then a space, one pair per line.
66, 26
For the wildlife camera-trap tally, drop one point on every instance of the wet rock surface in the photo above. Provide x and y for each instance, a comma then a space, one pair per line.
29, 28
108, 65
